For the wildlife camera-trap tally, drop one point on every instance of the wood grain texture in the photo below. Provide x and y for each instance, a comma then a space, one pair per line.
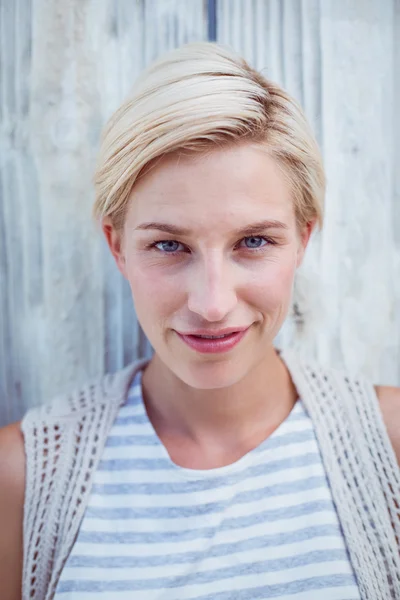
359, 257
340, 59
66, 314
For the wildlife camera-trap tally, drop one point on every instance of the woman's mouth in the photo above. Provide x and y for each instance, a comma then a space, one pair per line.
213, 343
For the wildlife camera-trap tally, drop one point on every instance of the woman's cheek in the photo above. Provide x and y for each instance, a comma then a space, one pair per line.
273, 287
155, 289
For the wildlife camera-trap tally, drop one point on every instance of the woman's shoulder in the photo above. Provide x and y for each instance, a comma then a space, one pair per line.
385, 398
12, 467
12, 488
353, 391
12, 460
389, 402
63, 442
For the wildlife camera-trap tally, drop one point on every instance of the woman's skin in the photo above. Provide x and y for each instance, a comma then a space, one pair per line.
223, 272
210, 409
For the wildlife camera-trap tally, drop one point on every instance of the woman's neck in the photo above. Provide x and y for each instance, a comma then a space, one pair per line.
209, 428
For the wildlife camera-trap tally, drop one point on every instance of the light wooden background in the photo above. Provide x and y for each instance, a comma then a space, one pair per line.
65, 314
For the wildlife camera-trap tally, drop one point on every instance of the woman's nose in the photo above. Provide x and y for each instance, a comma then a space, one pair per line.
212, 291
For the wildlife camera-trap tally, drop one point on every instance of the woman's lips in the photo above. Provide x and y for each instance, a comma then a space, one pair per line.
214, 345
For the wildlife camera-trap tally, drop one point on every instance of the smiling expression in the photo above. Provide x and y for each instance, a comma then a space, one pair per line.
210, 243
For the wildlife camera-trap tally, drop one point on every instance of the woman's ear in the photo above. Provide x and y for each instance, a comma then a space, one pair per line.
114, 240
304, 238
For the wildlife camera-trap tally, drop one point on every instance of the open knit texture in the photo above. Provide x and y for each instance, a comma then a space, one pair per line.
65, 439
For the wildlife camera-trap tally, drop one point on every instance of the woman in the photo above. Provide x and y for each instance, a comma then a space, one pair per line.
221, 468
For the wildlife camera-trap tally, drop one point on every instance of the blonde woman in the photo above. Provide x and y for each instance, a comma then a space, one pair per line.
221, 468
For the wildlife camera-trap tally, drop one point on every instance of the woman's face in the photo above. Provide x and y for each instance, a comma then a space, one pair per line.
210, 244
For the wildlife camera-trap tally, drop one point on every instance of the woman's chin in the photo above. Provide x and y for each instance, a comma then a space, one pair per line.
211, 375
210, 371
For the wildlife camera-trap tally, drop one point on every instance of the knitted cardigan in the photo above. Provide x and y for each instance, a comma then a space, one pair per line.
64, 443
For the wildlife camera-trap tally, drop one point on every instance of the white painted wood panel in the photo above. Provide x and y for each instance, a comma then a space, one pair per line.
340, 59
65, 312
359, 255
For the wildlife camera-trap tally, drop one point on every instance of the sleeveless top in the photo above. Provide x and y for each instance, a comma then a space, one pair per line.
65, 441
262, 527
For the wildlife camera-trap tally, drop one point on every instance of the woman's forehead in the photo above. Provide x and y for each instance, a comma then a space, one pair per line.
238, 185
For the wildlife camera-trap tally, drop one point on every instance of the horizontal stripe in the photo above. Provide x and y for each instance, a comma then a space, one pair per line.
252, 468
258, 567
296, 580
198, 485
290, 494
262, 527
257, 537
100, 557
145, 483
341, 592
253, 506
257, 527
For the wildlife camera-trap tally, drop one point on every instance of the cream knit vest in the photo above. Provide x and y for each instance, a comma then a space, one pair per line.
64, 443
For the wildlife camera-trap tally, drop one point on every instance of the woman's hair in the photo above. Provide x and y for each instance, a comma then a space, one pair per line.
197, 97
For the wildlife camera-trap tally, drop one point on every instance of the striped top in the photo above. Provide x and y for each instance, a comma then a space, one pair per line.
262, 527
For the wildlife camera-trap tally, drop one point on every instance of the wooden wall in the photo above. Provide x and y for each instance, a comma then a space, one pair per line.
65, 313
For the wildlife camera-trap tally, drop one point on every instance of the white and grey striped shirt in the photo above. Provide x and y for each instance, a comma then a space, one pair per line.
263, 527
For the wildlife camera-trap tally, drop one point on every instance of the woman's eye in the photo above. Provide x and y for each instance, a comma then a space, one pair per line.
168, 246
253, 242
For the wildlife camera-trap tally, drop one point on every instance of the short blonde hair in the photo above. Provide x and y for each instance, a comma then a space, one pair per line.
199, 96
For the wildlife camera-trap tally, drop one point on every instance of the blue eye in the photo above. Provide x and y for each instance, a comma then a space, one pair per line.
254, 241
168, 246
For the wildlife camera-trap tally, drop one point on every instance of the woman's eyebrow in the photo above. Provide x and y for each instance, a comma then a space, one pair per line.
261, 226
250, 229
